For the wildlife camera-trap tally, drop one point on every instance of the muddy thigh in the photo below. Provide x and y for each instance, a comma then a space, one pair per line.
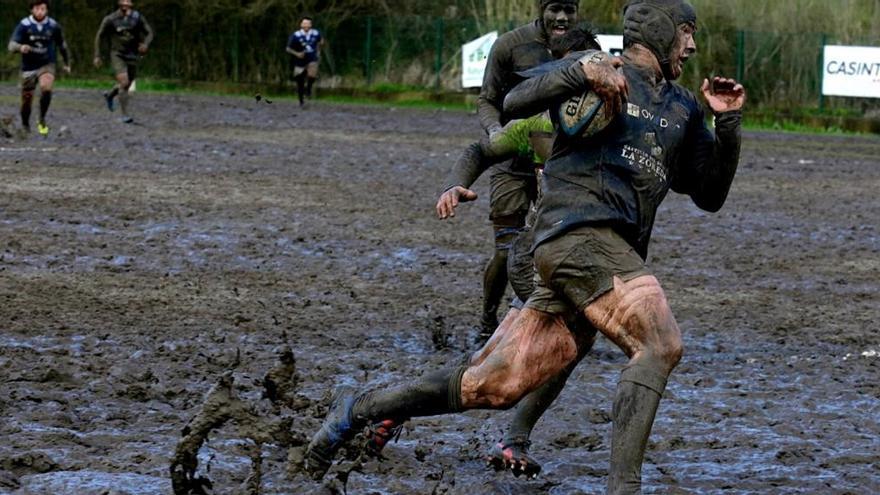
538, 347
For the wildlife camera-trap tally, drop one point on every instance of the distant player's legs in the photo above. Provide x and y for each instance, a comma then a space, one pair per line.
47, 81
300, 79
29, 82
27, 101
312, 76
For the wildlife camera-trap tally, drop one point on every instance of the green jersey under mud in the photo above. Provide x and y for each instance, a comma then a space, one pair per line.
514, 141
523, 48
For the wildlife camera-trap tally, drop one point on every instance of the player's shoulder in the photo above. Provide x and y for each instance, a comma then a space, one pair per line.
684, 95
523, 34
136, 15
52, 23
26, 22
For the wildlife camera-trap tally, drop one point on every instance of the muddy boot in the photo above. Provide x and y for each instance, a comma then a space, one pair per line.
339, 427
378, 435
514, 455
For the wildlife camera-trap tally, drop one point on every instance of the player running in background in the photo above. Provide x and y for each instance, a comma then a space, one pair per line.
130, 37
305, 46
39, 39
530, 138
513, 183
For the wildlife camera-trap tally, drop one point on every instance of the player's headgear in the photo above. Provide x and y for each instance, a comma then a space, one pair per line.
545, 3
654, 24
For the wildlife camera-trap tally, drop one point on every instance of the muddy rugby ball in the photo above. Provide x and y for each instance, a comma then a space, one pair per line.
584, 115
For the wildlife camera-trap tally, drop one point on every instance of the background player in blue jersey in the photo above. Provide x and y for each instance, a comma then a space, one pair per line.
305, 46
38, 38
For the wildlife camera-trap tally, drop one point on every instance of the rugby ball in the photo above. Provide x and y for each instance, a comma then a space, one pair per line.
584, 115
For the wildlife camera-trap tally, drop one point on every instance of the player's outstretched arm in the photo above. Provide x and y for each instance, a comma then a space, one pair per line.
713, 160
99, 37
450, 199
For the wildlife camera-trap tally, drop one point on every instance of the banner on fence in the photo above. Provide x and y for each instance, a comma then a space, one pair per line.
475, 55
851, 71
611, 43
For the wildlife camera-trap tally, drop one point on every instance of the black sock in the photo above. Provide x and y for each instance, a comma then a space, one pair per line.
533, 406
494, 286
635, 405
301, 89
26, 103
309, 87
432, 395
113, 92
45, 101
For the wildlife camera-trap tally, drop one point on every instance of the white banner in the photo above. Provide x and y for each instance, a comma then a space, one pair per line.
851, 71
475, 56
611, 43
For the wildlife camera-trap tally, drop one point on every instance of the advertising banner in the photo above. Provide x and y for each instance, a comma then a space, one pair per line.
851, 71
475, 55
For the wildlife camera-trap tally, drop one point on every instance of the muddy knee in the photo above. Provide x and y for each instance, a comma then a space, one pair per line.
638, 319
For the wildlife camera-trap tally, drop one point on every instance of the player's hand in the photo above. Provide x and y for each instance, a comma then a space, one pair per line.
300, 54
450, 199
608, 84
142, 49
494, 131
724, 95
97, 62
67, 69
25, 49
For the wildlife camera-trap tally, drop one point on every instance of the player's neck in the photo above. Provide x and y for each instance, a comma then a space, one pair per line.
643, 58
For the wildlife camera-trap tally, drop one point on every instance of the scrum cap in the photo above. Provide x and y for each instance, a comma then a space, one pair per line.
654, 24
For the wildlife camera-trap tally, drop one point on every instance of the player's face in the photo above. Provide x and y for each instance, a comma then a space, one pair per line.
40, 12
684, 47
126, 7
559, 18
306, 25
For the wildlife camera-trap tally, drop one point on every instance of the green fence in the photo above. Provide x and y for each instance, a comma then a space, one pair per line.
779, 70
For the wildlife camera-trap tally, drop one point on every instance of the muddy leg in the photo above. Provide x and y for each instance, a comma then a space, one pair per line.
636, 317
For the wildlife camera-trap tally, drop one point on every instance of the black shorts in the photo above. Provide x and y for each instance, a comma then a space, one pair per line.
511, 194
122, 65
578, 267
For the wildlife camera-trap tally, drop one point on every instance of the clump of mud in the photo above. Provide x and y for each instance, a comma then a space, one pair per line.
256, 422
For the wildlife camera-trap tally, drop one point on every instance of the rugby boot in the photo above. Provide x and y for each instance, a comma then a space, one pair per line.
108, 98
338, 428
43, 129
515, 457
379, 435
126, 120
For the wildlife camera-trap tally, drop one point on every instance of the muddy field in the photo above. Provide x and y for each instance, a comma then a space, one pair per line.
136, 262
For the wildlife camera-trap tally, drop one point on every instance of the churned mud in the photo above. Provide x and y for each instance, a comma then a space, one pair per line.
152, 275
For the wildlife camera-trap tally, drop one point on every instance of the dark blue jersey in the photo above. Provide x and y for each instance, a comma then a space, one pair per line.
308, 42
620, 176
44, 38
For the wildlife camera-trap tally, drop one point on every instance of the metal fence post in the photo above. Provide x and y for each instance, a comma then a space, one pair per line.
236, 52
822, 73
438, 60
174, 45
368, 52
740, 56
